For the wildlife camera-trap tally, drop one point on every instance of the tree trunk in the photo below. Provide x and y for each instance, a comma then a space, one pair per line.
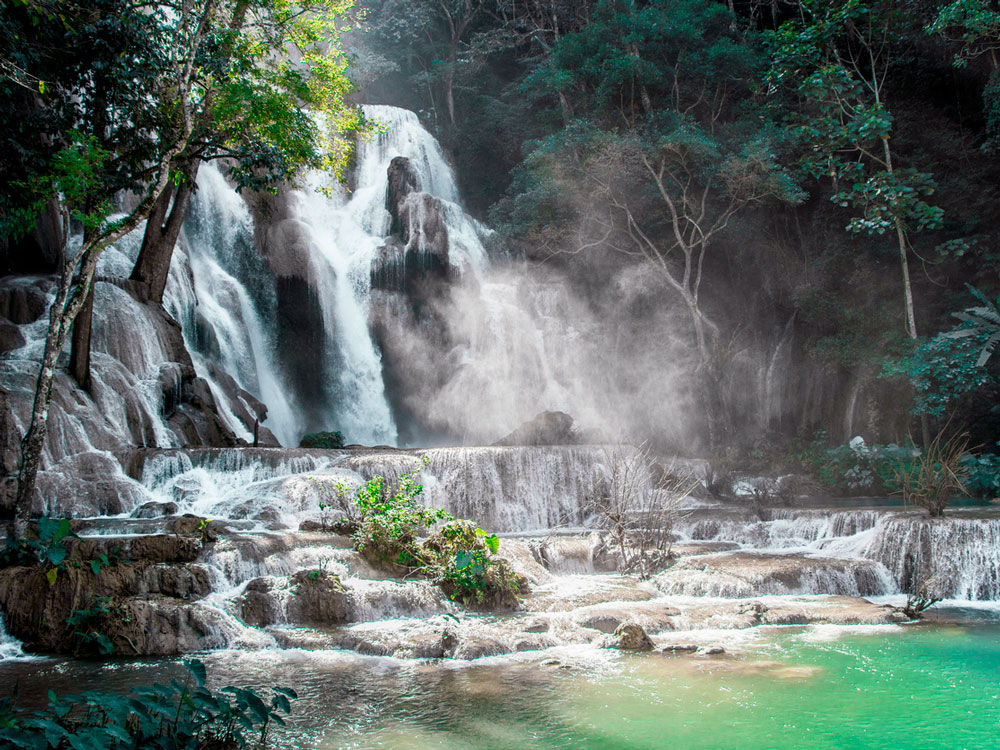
61, 315
79, 357
162, 230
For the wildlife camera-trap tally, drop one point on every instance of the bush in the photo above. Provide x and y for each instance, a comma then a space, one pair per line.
391, 520
468, 570
931, 478
322, 440
459, 556
982, 475
178, 716
636, 503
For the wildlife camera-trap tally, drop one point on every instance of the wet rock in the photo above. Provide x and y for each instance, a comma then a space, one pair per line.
606, 622
87, 484
743, 574
154, 509
476, 646
572, 592
631, 637
155, 548
548, 428
535, 625
22, 303
187, 582
160, 626
673, 649
10, 337
788, 610
259, 607
654, 616
317, 597
403, 179
712, 651
143, 610
190, 525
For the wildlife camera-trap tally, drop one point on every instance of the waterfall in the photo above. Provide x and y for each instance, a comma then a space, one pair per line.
215, 291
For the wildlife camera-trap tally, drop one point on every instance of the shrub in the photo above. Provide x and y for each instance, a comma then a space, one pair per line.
982, 475
932, 477
636, 504
322, 440
459, 556
390, 520
464, 562
48, 548
178, 716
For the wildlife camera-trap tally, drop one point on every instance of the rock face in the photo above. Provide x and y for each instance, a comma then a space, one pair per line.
403, 180
548, 428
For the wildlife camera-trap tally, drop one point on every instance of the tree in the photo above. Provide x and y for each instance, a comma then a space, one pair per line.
257, 111
974, 25
833, 59
666, 148
188, 92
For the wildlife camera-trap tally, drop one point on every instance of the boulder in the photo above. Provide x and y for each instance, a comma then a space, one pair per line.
403, 179
259, 606
317, 597
22, 303
10, 337
140, 607
153, 509
631, 637
548, 428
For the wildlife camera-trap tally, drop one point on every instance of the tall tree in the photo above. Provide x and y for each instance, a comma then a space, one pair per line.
187, 91
834, 58
664, 150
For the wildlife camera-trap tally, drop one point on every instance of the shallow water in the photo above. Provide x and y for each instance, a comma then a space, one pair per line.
933, 686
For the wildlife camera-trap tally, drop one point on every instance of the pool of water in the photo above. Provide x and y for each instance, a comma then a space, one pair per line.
932, 686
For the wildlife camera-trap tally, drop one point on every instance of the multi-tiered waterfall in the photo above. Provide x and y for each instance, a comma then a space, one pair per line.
375, 310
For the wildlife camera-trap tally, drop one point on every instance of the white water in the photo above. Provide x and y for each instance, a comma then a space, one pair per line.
544, 489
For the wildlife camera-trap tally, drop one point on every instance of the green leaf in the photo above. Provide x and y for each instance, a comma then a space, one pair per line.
51, 576
95, 566
197, 669
56, 554
493, 543
463, 560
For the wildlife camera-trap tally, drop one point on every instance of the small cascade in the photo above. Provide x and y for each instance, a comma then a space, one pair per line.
777, 528
10, 647
957, 556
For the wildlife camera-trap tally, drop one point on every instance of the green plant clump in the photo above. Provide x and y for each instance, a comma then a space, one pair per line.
175, 716
87, 625
322, 440
468, 570
49, 548
982, 475
460, 557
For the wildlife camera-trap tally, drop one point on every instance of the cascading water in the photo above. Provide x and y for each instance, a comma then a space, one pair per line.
217, 290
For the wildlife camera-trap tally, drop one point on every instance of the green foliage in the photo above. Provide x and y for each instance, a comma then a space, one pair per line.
982, 475
390, 520
973, 24
466, 566
828, 62
952, 364
48, 548
857, 467
174, 716
87, 626
460, 556
322, 440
